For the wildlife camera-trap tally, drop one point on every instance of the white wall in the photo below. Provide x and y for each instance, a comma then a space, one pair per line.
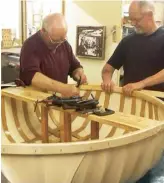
159, 11
94, 13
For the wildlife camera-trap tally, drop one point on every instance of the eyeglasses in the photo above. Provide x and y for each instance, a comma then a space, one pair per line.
136, 20
56, 41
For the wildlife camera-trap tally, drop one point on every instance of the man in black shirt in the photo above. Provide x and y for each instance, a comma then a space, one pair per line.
141, 54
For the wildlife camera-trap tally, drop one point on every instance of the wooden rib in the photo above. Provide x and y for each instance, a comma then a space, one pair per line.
112, 132
133, 106
50, 130
27, 120
4, 123
156, 112
87, 94
52, 118
122, 101
38, 114
94, 130
17, 123
142, 112
65, 132
98, 94
73, 117
54, 141
32, 140
80, 138
107, 98
126, 131
84, 125
97, 97
44, 123
150, 110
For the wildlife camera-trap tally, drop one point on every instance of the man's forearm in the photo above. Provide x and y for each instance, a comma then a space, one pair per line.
155, 79
107, 72
45, 83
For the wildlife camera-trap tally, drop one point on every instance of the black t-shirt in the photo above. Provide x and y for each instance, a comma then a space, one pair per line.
141, 56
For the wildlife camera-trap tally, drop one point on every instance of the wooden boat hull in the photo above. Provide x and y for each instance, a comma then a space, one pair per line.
126, 146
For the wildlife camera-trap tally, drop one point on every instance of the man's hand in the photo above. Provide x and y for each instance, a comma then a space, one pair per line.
107, 85
83, 79
129, 88
69, 91
79, 73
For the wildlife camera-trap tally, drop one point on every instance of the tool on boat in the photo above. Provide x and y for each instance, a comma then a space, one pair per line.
78, 103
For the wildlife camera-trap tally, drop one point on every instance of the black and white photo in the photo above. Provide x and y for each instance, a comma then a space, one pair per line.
90, 41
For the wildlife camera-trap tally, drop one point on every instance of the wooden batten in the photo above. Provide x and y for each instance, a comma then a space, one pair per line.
44, 123
107, 99
150, 110
156, 113
122, 102
142, 111
65, 128
4, 121
94, 130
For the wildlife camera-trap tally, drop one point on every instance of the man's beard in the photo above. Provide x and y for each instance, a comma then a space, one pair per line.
139, 31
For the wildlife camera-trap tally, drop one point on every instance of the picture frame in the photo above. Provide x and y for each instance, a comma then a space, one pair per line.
90, 42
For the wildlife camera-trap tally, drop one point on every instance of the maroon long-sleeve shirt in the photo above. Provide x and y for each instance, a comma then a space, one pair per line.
37, 57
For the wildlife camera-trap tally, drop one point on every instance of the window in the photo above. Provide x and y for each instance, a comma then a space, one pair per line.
10, 23
37, 10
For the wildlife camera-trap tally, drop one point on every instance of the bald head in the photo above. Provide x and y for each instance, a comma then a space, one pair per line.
55, 25
141, 14
142, 6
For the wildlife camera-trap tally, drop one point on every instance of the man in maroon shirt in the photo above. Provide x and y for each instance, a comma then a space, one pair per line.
47, 58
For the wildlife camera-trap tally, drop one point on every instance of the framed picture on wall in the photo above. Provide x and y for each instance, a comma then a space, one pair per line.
90, 42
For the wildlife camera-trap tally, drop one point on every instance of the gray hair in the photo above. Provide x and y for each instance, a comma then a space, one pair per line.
47, 23
147, 6
52, 19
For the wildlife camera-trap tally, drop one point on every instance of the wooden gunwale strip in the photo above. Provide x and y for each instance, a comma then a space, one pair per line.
18, 93
139, 94
4, 123
16, 119
27, 120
